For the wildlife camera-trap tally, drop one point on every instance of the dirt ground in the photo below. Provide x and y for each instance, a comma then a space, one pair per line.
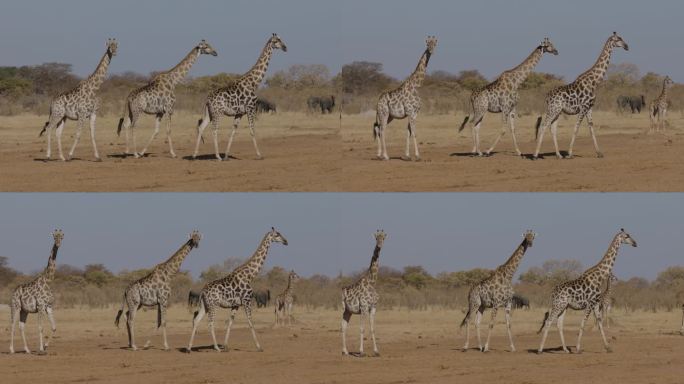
416, 347
310, 153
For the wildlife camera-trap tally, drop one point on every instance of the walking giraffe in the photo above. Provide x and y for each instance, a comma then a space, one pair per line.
158, 98
232, 291
606, 300
583, 294
284, 301
577, 98
36, 297
237, 99
401, 103
79, 104
494, 292
658, 107
154, 290
501, 96
361, 298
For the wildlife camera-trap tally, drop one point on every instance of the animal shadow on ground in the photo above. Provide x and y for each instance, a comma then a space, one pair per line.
470, 154
210, 348
126, 155
209, 157
546, 350
551, 155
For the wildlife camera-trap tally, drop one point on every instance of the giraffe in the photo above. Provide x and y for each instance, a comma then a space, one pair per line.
158, 98
658, 107
606, 299
501, 95
494, 292
36, 297
402, 102
154, 290
284, 301
577, 98
79, 104
232, 291
237, 99
361, 298
583, 294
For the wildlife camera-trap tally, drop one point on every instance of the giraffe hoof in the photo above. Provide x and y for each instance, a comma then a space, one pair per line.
539, 352
609, 350
569, 157
361, 354
188, 350
259, 157
345, 353
98, 159
173, 156
599, 155
406, 158
260, 349
417, 158
376, 354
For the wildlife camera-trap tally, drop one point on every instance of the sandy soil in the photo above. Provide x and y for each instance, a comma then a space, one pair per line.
301, 154
310, 153
415, 347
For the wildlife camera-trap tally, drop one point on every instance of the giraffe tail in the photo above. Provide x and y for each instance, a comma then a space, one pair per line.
44, 129
536, 127
376, 130
546, 317
118, 314
199, 122
465, 319
463, 124
194, 302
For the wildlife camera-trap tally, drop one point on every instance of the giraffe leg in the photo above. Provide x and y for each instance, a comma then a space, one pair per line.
250, 119
476, 138
131, 127
58, 133
157, 122
127, 128
383, 142
39, 314
79, 127
574, 135
681, 331
168, 136
53, 122
206, 119
587, 312
53, 326
478, 319
372, 331
511, 122
549, 118
599, 319
492, 321
345, 323
248, 312
553, 315
130, 324
407, 152
212, 316
195, 323
505, 117
23, 315
93, 117
14, 318
412, 125
362, 328
236, 122
229, 324
554, 135
508, 326
559, 324
590, 120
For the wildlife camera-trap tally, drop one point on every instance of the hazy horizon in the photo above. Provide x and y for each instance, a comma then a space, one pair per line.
490, 36
332, 233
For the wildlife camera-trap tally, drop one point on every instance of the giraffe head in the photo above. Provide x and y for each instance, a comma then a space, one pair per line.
206, 49
277, 43
625, 238
668, 81
58, 235
547, 47
529, 235
277, 237
294, 277
615, 41
195, 238
431, 42
380, 237
112, 46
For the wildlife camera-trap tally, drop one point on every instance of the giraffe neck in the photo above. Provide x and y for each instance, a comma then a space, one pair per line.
663, 94
374, 265
520, 73
596, 73
290, 285
171, 266
604, 267
253, 77
511, 265
49, 272
178, 73
416, 79
254, 264
95, 80
609, 288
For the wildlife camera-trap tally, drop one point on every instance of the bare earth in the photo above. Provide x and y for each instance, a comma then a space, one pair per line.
310, 153
418, 347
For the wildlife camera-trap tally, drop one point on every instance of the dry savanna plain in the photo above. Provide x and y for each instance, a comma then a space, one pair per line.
305, 152
415, 347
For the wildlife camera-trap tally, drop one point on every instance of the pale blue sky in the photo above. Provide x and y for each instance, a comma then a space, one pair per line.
329, 233
489, 35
